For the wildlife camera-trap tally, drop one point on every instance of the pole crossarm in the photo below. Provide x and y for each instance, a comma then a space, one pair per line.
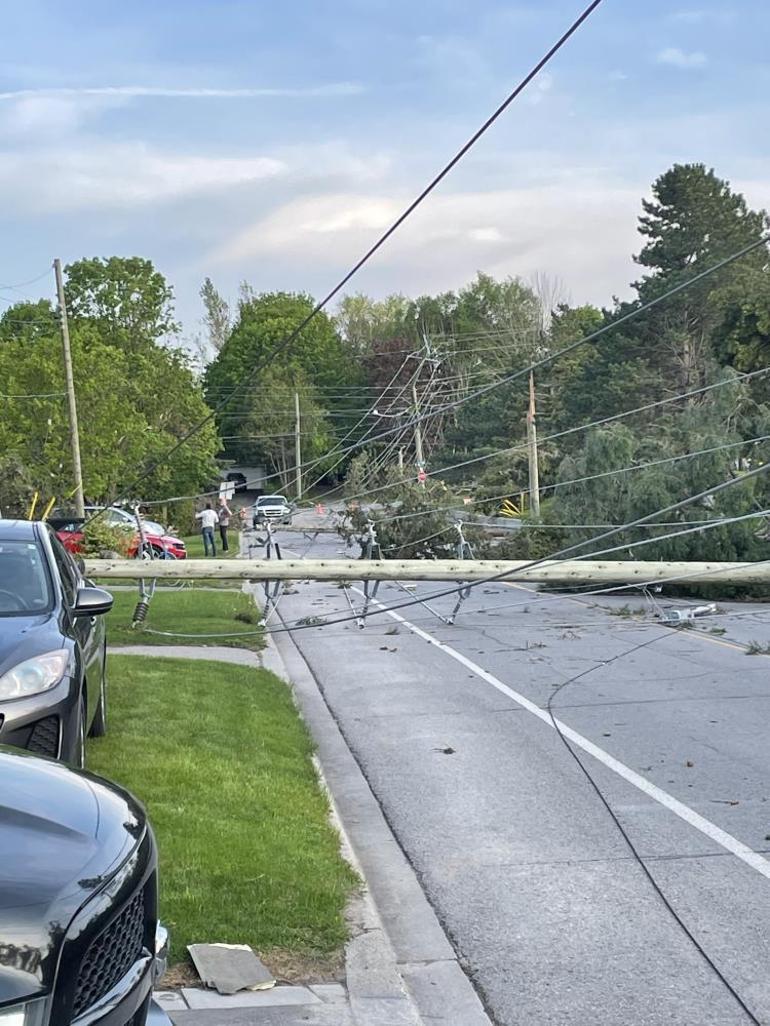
558, 571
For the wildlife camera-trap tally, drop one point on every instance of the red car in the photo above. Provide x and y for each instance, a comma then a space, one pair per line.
155, 535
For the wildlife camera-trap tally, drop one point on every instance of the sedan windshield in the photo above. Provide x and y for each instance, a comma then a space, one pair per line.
24, 584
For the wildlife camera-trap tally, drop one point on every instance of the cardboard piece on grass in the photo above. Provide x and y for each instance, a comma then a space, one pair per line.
230, 967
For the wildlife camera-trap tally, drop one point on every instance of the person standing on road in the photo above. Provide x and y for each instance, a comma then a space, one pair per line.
224, 522
209, 518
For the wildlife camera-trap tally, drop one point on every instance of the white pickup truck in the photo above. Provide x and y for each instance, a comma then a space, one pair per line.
271, 507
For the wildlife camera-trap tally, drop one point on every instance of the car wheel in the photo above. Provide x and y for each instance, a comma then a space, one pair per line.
99, 725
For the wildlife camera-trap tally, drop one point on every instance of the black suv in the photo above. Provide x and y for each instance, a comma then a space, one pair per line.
80, 943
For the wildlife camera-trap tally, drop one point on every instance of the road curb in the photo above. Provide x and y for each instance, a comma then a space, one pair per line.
422, 955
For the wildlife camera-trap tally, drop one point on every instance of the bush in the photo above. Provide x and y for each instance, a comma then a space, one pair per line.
181, 517
101, 540
428, 534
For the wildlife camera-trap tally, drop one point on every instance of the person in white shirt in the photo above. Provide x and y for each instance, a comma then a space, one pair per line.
209, 519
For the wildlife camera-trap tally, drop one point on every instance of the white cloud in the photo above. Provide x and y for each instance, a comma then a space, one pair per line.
335, 161
700, 16
693, 17
119, 175
332, 89
617, 76
489, 234
677, 58
537, 89
584, 234
41, 115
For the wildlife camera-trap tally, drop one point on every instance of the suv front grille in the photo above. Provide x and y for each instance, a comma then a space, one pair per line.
44, 739
111, 955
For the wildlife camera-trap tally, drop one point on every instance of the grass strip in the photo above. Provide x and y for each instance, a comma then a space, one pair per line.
185, 611
222, 761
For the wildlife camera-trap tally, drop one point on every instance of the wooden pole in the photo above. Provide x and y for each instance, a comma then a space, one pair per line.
417, 433
534, 470
297, 449
583, 571
70, 385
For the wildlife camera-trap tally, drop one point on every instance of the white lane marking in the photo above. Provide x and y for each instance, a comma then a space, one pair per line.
690, 816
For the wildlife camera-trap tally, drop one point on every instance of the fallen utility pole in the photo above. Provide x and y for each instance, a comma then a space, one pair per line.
70, 385
588, 571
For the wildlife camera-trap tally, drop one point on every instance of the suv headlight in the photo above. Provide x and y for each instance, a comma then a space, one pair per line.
31, 1013
30, 678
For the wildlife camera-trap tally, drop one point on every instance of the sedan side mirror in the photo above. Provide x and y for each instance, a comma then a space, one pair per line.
92, 602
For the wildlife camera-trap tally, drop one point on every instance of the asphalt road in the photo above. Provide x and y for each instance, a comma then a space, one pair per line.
549, 911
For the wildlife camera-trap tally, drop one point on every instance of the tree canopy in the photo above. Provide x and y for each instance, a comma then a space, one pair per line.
136, 396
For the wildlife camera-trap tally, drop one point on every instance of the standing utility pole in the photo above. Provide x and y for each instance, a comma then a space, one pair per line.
297, 449
80, 511
534, 472
417, 432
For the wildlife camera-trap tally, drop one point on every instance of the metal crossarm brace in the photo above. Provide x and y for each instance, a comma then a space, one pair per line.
370, 546
273, 588
464, 551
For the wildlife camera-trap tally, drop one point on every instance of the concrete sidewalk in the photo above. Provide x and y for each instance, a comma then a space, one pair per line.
402, 974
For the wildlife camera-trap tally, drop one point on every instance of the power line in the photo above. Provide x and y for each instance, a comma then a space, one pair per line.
32, 281
442, 174
590, 477
623, 547
537, 598
336, 449
35, 395
636, 312
560, 730
521, 446
560, 555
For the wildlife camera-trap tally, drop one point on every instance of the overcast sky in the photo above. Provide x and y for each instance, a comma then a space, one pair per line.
273, 142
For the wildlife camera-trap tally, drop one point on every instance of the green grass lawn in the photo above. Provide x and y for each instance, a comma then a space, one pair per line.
222, 761
188, 612
194, 543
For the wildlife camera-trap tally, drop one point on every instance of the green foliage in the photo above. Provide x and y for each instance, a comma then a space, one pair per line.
264, 407
262, 324
129, 302
16, 487
28, 321
101, 539
136, 397
424, 528
216, 317
530, 542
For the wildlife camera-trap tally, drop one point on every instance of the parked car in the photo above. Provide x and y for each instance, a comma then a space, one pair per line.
237, 480
271, 507
80, 941
156, 537
53, 648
